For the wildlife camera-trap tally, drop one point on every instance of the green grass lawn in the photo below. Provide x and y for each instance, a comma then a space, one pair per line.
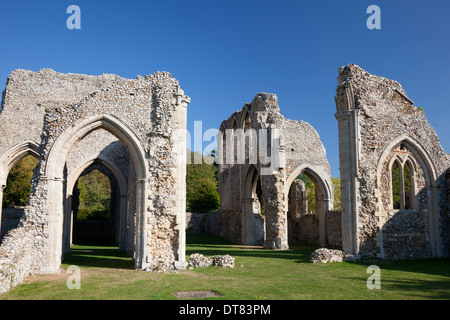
258, 274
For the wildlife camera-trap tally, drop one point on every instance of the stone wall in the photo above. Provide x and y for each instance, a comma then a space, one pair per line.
306, 229
133, 127
379, 126
10, 219
282, 149
334, 229
203, 223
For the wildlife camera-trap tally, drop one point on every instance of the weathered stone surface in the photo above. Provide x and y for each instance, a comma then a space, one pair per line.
379, 126
197, 260
273, 153
133, 129
324, 255
224, 261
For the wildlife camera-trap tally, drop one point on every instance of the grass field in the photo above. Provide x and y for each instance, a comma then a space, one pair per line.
107, 274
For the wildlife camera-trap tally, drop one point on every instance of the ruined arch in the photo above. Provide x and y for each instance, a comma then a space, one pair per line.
54, 173
418, 151
276, 147
124, 223
144, 113
14, 155
253, 222
10, 158
423, 206
374, 115
324, 196
67, 140
245, 118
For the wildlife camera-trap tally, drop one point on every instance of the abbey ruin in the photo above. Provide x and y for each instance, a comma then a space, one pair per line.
134, 131
74, 122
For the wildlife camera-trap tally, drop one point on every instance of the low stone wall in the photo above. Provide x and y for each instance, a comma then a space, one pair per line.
405, 237
18, 254
10, 220
334, 229
306, 230
202, 223
226, 226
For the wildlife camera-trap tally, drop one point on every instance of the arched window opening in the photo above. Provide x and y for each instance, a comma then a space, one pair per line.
18, 184
396, 185
402, 179
407, 185
16, 193
259, 196
310, 189
92, 212
303, 220
253, 213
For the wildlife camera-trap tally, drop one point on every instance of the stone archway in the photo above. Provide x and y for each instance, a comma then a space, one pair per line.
124, 222
421, 238
146, 114
10, 158
253, 220
323, 199
54, 176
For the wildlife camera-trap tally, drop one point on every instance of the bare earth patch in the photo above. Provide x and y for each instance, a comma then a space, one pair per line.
196, 294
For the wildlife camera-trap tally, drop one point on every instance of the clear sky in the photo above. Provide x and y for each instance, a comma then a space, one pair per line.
225, 52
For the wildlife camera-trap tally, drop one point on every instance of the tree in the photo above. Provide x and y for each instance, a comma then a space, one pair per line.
95, 196
310, 192
337, 193
202, 193
18, 184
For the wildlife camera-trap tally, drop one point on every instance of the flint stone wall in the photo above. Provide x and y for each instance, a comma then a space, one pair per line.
46, 113
10, 219
300, 151
379, 124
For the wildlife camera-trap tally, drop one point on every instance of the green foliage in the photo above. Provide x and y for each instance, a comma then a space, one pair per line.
407, 185
396, 185
337, 193
202, 194
310, 192
18, 184
258, 274
421, 110
95, 196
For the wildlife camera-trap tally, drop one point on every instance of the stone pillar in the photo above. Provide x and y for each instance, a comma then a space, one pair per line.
247, 227
67, 224
433, 194
143, 234
179, 173
321, 211
349, 183
275, 211
54, 212
2, 187
297, 207
123, 222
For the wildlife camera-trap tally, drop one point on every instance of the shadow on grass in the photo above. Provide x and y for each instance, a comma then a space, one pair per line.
434, 289
98, 257
212, 245
414, 286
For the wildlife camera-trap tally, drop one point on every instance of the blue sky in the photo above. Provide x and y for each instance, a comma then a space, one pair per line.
225, 52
